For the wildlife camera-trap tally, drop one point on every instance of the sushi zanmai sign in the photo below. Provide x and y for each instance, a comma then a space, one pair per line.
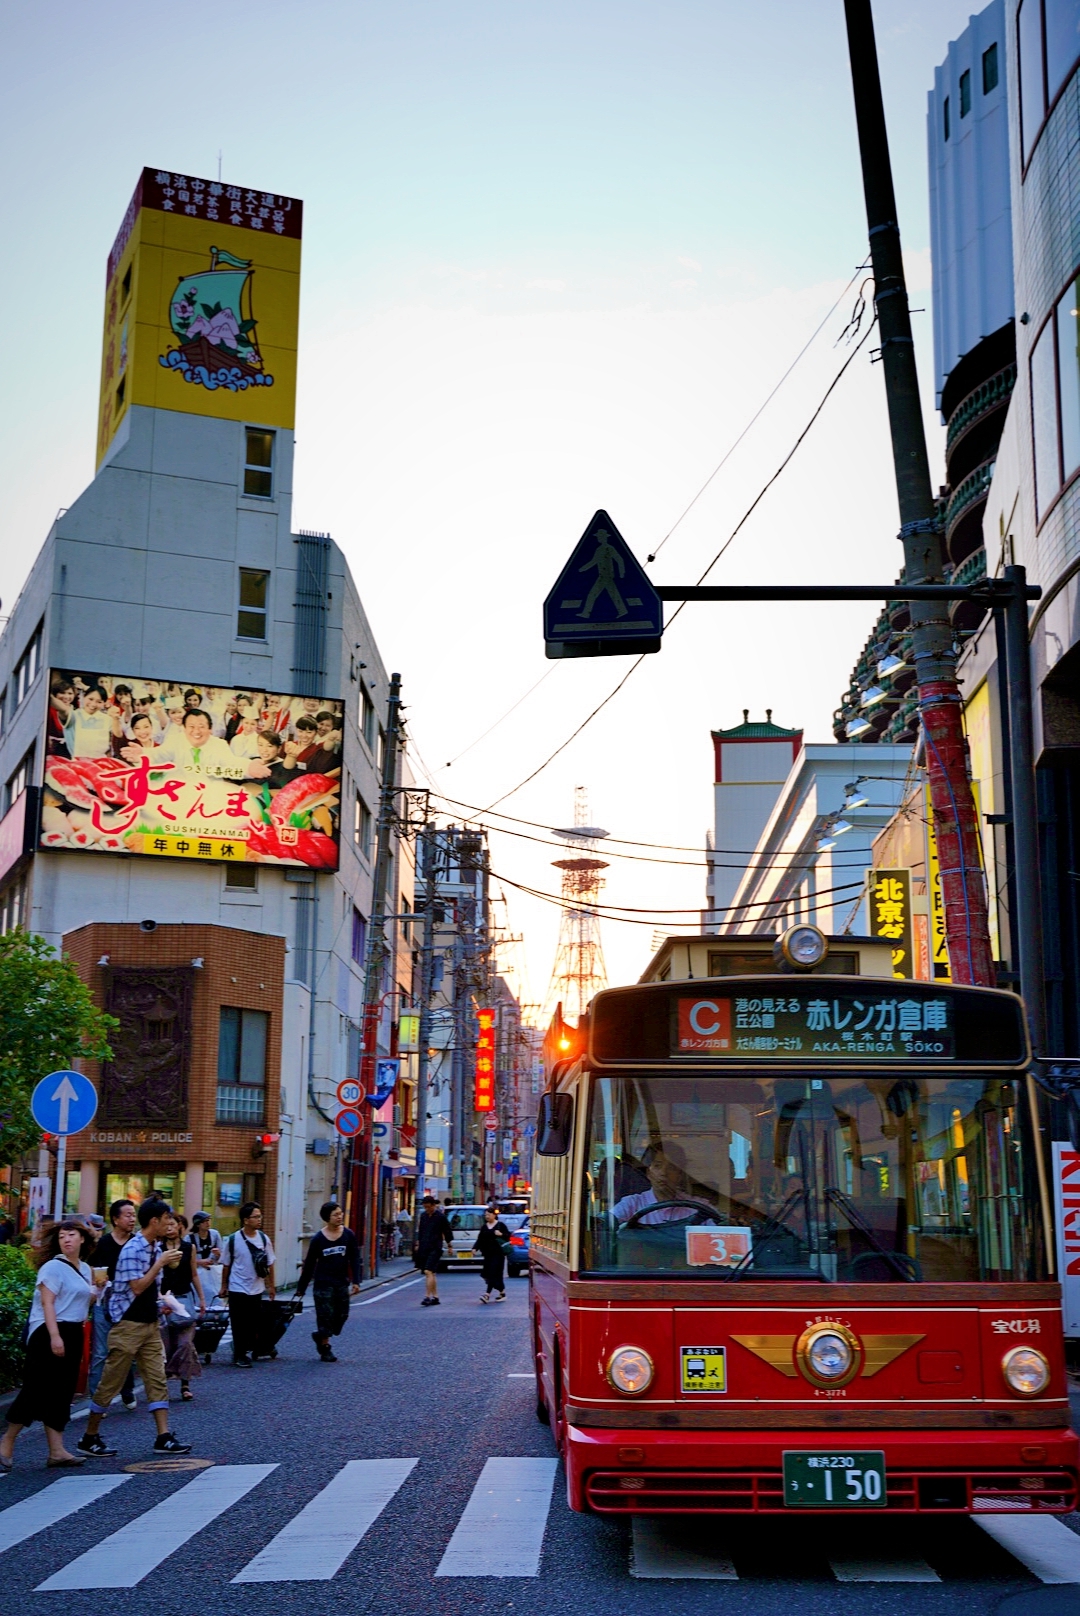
196, 772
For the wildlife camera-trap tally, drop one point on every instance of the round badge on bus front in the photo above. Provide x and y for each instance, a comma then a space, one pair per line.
829, 1354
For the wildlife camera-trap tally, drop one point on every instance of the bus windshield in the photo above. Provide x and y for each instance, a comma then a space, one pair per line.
845, 1178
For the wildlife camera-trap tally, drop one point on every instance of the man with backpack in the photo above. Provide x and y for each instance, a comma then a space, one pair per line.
247, 1275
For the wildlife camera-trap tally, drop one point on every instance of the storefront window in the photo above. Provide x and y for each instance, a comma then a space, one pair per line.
1044, 420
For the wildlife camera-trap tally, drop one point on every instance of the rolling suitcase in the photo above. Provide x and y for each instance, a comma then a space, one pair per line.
274, 1319
209, 1331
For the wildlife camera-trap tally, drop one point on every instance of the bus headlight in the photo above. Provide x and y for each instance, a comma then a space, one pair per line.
630, 1370
1026, 1371
829, 1354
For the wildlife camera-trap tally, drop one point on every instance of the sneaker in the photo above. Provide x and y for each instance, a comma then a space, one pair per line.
242, 1361
130, 1403
95, 1446
426, 1302
168, 1442
501, 1296
484, 1298
435, 1301
327, 1356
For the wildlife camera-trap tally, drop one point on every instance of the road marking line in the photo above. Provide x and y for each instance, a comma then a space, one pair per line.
880, 1568
127, 1556
501, 1531
384, 1294
1045, 1545
51, 1504
663, 1548
316, 1543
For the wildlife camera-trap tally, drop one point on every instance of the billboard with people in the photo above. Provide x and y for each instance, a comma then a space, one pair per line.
170, 770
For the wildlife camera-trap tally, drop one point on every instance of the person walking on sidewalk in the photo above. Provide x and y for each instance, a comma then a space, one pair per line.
54, 1347
432, 1231
122, 1222
489, 1243
133, 1308
333, 1263
248, 1276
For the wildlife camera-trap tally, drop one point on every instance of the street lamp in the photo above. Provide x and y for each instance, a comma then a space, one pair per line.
857, 727
873, 695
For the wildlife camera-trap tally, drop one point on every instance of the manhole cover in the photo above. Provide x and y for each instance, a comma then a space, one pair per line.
168, 1464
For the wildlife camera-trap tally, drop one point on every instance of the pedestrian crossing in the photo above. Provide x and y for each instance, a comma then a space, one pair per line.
501, 1531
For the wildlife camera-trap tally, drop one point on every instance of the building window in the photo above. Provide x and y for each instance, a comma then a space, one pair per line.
241, 1085
241, 877
251, 617
945, 116
3, 708
1055, 399
359, 936
367, 718
381, 759
13, 906
362, 827
259, 464
1048, 45
26, 670
19, 780
990, 69
965, 93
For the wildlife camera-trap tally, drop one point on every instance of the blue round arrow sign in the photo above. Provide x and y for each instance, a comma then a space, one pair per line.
64, 1102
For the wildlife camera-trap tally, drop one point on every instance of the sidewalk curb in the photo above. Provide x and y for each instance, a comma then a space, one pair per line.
373, 1284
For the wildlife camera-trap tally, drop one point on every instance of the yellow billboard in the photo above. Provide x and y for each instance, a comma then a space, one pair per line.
202, 304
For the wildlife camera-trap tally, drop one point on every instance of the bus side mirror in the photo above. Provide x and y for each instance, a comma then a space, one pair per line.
554, 1125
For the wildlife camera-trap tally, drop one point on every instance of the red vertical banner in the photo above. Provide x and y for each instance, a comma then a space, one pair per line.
484, 1095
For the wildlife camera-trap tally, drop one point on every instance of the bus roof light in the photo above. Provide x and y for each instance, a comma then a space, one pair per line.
801, 948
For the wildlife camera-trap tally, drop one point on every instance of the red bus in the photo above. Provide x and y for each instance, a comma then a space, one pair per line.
791, 1250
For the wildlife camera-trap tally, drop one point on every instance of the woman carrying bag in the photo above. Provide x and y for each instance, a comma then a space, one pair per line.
489, 1243
54, 1346
182, 1284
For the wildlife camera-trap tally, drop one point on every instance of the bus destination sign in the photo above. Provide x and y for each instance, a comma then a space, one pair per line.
833, 1026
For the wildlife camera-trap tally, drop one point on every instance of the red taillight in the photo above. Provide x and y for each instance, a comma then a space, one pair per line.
516, 1240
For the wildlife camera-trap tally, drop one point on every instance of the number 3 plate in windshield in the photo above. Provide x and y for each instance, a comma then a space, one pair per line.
834, 1480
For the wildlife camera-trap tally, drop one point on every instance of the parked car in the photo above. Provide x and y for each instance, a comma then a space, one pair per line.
466, 1222
517, 1261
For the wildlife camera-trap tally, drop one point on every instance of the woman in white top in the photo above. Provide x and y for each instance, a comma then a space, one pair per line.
54, 1348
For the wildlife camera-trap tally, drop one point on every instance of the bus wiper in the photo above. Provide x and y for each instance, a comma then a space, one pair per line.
899, 1261
771, 1226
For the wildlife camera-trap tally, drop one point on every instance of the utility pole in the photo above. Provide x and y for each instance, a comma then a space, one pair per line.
363, 1209
428, 843
940, 704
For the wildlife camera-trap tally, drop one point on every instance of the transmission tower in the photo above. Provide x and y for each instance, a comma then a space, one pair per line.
579, 970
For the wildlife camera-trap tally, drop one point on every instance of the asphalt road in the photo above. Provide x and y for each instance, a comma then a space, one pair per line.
437, 1395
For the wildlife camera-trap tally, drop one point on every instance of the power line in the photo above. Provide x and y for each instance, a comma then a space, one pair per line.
758, 413
727, 542
629, 920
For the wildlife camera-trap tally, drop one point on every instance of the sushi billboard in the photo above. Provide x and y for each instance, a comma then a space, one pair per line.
202, 304
163, 770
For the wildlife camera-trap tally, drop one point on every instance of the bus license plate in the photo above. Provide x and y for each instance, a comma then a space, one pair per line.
835, 1480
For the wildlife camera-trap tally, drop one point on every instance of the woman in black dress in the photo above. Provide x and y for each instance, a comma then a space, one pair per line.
489, 1243
182, 1282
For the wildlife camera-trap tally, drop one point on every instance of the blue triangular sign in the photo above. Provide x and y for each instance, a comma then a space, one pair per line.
602, 603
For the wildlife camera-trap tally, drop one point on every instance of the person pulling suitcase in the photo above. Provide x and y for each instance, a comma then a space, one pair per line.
247, 1276
333, 1264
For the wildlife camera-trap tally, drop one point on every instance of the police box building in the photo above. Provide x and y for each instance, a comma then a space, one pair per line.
190, 697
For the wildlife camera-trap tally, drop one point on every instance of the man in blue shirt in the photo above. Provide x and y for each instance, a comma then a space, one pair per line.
135, 1333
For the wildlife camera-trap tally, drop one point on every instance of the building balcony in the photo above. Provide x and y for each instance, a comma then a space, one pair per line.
966, 615
963, 513
972, 434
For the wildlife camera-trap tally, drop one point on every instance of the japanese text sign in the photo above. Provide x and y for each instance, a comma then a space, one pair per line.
890, 916
192, 772
484, 1089
1067, 1228
851, 1025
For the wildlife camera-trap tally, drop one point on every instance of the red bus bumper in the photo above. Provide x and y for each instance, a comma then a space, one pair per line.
655, 1472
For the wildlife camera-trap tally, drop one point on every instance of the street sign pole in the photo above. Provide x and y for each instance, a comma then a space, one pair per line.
61, 1176
63, 1103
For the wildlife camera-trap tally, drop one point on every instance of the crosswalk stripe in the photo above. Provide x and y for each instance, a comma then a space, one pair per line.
661, 1549
43, 1509
123, 1559
501, 1531
1045, 1545
316, 1543
881, 1568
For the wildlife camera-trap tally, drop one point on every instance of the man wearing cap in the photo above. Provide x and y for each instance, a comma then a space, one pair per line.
431, 1231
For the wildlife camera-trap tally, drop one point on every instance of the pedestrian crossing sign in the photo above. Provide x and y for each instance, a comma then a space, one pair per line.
704, 1369
602, 603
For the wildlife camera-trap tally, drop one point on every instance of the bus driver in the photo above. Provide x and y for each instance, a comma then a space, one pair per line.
668, 1181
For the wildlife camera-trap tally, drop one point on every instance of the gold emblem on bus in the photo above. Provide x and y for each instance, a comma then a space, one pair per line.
778, 1351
